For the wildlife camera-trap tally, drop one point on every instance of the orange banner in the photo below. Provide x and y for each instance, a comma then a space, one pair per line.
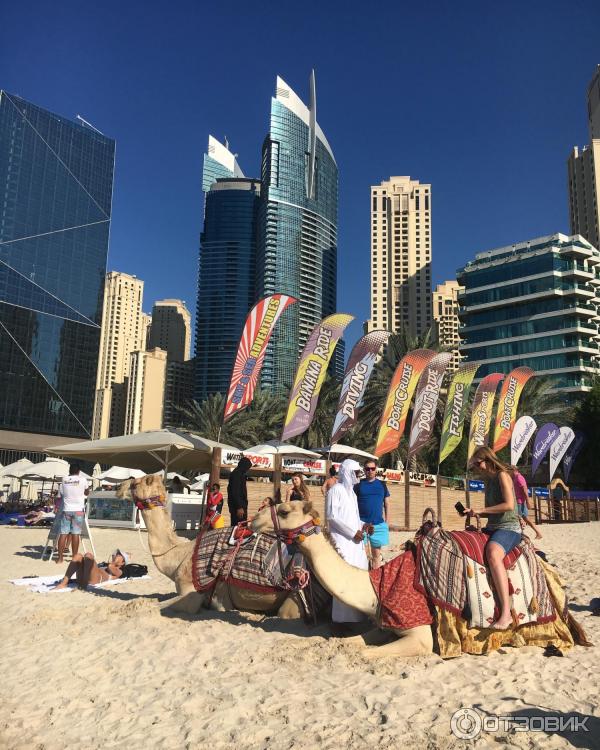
399, 397
507, 405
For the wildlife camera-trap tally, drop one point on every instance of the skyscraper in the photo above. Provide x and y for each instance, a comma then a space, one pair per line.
123, 332
534, 304
445, 319
583, 167
297, 244
401, 256
145, 391
226, 290
56, 180
171, 329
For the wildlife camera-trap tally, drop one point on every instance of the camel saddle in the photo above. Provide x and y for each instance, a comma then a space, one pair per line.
451, 572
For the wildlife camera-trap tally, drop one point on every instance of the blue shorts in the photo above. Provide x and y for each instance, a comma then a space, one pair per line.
380, 536
71, 522
522, 510
506, 538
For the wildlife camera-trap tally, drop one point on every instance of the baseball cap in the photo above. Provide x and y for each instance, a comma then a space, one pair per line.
124, 555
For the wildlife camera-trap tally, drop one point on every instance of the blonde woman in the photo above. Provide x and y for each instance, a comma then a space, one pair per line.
503, 526
297, 489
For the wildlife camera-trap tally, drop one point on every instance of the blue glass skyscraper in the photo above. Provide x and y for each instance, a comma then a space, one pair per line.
56, 179
297, 247
226, 279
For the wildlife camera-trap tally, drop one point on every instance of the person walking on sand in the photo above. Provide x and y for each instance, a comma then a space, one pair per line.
346, 531
503, 527
73, 491
522, 497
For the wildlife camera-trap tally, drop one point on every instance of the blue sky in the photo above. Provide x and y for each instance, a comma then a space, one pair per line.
485, 104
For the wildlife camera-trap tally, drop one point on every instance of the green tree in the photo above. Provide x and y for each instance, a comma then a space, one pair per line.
586, 418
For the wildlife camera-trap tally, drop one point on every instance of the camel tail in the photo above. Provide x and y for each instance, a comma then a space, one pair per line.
577, 632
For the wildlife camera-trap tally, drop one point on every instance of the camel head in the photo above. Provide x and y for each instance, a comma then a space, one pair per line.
292, 520
147, 492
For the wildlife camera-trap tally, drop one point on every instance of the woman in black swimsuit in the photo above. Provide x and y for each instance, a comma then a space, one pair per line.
297, 489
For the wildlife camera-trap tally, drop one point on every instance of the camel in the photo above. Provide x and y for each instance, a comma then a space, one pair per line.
297, 522
172, 556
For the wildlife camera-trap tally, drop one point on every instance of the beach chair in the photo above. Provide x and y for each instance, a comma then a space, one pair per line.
53, 534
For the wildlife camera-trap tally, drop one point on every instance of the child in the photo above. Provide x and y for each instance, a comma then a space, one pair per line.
214, 505
522, 495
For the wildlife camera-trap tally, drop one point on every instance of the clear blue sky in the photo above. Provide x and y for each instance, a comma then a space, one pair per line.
483, 104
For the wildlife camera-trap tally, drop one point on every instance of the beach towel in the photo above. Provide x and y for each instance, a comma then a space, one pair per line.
47, 584
400, 604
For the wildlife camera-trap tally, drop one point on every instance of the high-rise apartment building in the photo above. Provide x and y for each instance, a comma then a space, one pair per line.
297, 245
171, 329
445, 319
56, 178
122, 333
179, 391
146, 323
276, 234
145, 391
583, 167
401, 256
226, 284
534, 304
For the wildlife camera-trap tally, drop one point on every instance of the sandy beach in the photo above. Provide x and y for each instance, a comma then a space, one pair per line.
106, 669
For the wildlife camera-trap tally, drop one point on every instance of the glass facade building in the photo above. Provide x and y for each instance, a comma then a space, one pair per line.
534, 304
297, 246
226, 279
56, 179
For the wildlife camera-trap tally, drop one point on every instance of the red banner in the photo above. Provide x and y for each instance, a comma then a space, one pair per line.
251, 351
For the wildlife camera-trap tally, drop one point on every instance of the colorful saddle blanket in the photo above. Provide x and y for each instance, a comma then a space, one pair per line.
451, 573
253, 564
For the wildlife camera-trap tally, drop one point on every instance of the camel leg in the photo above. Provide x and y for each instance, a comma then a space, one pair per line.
188, 602
414, 642
290, 609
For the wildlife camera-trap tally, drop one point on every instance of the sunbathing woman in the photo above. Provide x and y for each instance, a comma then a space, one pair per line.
503, 525
87, 571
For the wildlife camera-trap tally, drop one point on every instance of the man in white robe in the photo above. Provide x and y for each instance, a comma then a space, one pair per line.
345, 526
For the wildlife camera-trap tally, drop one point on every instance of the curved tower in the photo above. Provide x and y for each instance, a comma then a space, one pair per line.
297, 238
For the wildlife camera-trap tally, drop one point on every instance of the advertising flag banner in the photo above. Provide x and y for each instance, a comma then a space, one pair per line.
481, 418
508, 401
544, 438
521, 435
426, 398
559, 448
311, 372
572, 452
399, 397
358, 371
456, 408
251, 351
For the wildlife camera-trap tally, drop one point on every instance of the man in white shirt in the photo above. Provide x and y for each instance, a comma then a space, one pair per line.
73, 491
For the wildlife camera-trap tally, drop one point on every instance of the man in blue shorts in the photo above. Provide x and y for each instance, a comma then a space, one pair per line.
373, 507
73, 491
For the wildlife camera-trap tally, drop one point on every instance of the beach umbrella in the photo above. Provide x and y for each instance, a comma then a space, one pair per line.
118, 474
172, 474
277, 448
150, 451
51, 468
10, 469
338, 450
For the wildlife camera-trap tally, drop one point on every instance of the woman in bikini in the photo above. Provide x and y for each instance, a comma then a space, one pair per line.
503, 527
297, 490
87, 571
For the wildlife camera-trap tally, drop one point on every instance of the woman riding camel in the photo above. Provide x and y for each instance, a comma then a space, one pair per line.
503, 525
297, 489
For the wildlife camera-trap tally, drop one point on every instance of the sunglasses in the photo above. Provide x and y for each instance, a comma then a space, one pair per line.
370, 468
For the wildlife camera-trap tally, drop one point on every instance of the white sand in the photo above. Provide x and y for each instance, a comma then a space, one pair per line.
108, 670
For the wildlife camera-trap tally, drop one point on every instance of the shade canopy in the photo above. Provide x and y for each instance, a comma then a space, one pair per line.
51, 468
118, 474
338, 449
276, 447
10, 469
150, 451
